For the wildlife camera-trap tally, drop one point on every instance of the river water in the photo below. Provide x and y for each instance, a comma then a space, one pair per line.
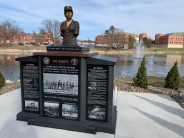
126, 65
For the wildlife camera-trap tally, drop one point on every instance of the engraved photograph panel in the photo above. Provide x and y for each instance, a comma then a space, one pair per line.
51, 109
96, 113
60, 84
92, 86
70, 110
31, 105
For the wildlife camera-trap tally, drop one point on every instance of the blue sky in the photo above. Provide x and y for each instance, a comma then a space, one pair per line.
96, 16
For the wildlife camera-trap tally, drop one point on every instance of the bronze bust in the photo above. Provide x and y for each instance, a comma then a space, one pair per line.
69, 29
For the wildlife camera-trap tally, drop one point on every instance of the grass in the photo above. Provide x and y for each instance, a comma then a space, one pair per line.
21, 47
147, 50
154, 81
25, 47
105, 49
165, 49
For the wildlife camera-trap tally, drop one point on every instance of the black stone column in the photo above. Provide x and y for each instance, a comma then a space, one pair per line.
83, 80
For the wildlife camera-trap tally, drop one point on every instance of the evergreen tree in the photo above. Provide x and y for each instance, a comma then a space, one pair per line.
141, 79
2, 80
131, 41
172, 80
147, 42
112, 29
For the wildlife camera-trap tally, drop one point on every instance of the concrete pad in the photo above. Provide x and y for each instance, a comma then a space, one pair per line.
10, 105
140, 115
148, 115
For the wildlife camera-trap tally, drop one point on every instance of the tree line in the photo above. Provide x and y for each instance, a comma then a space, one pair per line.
112, 35
113, 38
10, 28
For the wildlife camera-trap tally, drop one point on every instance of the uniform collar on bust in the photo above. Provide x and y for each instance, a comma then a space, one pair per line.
70, 22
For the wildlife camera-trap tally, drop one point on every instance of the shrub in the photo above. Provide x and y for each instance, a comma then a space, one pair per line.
152, 45
172, 81
141, 79
2, 80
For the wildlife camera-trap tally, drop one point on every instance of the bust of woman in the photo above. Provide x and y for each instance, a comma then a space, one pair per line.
69, 29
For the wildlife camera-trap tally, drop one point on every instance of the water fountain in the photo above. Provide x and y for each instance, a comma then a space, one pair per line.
140, 49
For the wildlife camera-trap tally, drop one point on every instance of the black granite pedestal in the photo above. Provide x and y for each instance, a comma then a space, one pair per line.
69, 88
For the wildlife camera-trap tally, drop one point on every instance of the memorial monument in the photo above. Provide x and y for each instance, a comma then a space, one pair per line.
68, 86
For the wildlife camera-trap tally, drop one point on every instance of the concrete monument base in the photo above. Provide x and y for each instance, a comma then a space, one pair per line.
86, 126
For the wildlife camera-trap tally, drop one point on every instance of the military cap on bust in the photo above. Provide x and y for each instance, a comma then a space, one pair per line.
68, 8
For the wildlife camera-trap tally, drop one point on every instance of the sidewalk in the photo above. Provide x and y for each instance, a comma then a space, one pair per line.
140, 115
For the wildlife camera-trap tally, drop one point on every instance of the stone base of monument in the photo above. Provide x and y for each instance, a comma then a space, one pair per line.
86, 126
68, 87
68, 48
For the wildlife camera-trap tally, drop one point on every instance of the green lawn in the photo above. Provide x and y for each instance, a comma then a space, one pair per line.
165, 49
105, 49
147, 50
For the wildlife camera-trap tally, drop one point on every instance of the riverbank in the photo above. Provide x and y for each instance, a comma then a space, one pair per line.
17, 49
155, 86
133, 51
9, 86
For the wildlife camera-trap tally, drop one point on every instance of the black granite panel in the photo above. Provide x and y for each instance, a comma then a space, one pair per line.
28, 59
97, 93
101, 60
83, 89
67, 48
30, 87
61, 87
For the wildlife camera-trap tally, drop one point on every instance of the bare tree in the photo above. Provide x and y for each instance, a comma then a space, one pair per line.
42, 31
19, 38
58, 41
108, 39
12, 29
113, 37
19, 34
4, 33
37, 40
53, 27
118, 37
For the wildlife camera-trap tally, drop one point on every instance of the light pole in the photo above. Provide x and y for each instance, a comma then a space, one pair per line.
88, 40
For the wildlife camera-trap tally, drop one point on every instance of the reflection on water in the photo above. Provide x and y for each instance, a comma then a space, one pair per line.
157, 65
9, 67
126, 65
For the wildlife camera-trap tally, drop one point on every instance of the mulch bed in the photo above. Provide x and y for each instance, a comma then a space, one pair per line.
9, 87
128, 86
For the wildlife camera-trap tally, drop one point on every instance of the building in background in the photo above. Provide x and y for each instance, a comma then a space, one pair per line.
141, 36
2, 35
101, 40
121, 39
32, 38
170, 40
1, 29
29, 37
85, 43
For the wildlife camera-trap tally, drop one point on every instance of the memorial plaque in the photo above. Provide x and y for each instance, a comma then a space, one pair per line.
30, 83
74, 84
97, 82
61, 87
